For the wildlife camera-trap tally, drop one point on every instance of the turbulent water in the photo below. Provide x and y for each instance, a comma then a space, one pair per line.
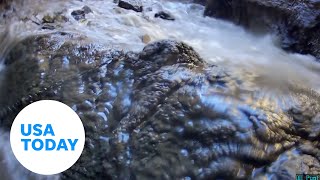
257, 58
268, 73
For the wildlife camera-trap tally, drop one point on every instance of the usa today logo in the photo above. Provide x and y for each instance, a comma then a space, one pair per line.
47, 137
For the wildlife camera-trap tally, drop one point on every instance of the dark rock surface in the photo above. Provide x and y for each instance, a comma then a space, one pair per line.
5, 4
297, 23
87, 9
164, 15
81, 13
135, 5
48, 26
162, 113
78, 14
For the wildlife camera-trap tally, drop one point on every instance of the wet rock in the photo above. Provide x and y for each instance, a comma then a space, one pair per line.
164, 15
78, 15
48, 26
146, 38
162, 107
47, 19
86, 9
60, 19
295, 22
289, 165
135, 5
81, 14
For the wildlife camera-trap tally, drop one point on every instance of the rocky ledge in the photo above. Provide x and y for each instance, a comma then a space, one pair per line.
297, 23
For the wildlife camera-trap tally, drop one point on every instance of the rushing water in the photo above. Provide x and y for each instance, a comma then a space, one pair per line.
268, 72
217, 41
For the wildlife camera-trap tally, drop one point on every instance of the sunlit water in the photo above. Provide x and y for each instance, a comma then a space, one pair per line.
267, 71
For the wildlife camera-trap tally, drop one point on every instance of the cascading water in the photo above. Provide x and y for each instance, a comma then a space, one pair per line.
217, 41
268, 73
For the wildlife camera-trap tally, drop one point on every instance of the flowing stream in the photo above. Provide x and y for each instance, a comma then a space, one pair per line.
217, 41
267, 72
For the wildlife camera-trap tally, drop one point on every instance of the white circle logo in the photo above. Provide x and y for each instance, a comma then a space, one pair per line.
47, 137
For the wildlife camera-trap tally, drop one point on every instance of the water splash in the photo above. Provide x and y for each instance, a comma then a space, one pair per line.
10, 168
9, 36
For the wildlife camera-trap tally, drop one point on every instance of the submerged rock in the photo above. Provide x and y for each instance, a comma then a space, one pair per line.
164, 15
146, 38
135, 5
297, 23
163, 107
